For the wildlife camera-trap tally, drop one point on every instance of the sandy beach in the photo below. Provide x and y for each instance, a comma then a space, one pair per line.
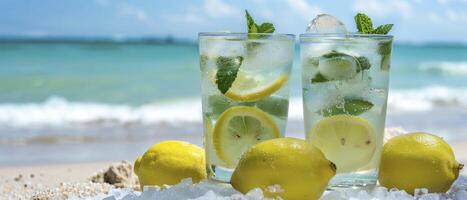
64, 180
48, 179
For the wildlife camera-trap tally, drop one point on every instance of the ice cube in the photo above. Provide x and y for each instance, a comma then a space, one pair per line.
337, 66
209, 195
379, 192
419, 192
460, 194
269, 56
213, 48
333, 195
324, 23
431, 196
255, 194
356, 85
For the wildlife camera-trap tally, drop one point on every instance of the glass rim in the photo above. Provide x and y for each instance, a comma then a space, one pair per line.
344, 35
242, 34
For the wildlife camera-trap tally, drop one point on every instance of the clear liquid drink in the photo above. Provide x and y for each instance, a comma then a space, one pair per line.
245, 92
345, 85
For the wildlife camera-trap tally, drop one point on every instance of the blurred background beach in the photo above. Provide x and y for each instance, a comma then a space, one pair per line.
98, 80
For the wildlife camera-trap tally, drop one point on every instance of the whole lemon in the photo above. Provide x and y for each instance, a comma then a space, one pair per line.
418, 160
299, 168
169, 162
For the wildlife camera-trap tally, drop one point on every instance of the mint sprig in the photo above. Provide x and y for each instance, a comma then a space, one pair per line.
227, 69
365, 25
385, 48
253, 27
250, 23
383, 29
363, 63
347, 107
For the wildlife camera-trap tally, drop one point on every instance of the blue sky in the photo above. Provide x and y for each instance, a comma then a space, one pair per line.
415, 20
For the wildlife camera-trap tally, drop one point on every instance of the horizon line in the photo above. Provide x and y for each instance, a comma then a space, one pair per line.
168, 39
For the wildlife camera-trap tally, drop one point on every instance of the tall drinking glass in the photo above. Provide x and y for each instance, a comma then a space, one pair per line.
245, 94
345, 85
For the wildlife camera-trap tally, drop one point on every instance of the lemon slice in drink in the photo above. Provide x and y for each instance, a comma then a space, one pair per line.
248, 87
347, 141
238, 128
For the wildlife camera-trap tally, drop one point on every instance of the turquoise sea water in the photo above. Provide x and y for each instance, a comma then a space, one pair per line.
136, 74
58, 93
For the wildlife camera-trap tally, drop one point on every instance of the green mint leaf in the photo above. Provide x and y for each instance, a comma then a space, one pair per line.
364, 24
385, 62
227, 69
253, 27
363, 63
250, 23
333, 54
385, 48
319, 78
219, 104
203, 59
383, 29
266, 28
385, 51
274, 106
347, 107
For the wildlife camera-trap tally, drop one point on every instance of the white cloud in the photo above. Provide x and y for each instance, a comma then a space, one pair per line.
132, 11
218, 8
306, 10
384, 8
191, 15
455, 16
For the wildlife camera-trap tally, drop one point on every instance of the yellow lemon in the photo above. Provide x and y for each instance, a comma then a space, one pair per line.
240, 127
253, 88
418, 160
348, 141
169, 162
299, 169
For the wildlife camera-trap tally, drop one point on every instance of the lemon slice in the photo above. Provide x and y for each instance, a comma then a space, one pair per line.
252, 88
238, 128
348, 141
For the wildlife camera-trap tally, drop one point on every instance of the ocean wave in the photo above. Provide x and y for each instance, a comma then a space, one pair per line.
445, 67
57, 111
426, 99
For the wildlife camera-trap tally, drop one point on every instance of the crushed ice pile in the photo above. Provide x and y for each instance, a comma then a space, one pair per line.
210, 191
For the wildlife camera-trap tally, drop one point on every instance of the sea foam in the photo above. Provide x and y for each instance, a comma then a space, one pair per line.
57, 111
445, 67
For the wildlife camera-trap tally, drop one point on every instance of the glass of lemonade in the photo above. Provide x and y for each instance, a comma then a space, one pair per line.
345, 85
245, 92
